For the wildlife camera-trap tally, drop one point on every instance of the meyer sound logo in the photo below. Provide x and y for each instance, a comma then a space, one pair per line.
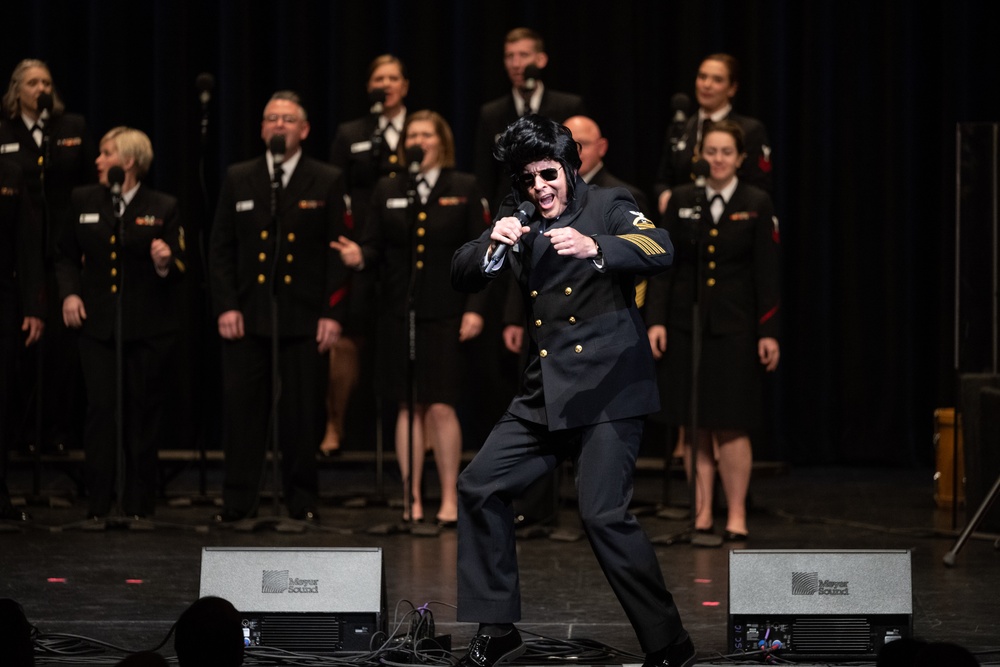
809, 583
279, 581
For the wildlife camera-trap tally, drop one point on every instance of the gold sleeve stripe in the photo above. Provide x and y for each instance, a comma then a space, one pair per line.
640, 293
646, 244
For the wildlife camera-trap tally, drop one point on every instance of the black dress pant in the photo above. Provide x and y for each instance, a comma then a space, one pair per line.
516, 453
145, 375
301, 414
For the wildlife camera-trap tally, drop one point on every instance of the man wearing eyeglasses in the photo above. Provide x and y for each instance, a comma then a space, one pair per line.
587, 388
271, 239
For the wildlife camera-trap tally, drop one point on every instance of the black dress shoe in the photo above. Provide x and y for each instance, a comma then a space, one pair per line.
487, 651
447, 524
675, 655
730, 536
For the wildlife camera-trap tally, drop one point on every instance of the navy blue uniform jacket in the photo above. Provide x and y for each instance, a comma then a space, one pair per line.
589, 359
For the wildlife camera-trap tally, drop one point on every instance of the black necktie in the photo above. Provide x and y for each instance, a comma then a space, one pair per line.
36, 128
279, 175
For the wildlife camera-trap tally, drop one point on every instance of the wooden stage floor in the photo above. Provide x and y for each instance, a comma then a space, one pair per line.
125, 587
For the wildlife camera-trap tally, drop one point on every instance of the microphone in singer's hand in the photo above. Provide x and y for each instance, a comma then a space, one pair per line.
414, 156
116, 178
532, 74
204, 82
523, 214
680, 104
277, 148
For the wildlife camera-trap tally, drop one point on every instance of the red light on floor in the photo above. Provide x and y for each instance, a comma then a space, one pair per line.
709, 603
56, 580
134, 581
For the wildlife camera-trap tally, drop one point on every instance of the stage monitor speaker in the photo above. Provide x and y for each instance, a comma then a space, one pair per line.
818, 605
309, 600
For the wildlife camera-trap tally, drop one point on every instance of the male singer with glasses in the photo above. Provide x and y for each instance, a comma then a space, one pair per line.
258, 254
574, 251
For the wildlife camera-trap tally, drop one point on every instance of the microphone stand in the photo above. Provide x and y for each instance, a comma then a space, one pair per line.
691, 535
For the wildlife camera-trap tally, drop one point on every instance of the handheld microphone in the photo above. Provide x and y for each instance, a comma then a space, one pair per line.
376, 97
204, 82
523, 214
532, 74
680, 104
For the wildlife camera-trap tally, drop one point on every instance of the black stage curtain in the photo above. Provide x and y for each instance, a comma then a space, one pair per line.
860, 100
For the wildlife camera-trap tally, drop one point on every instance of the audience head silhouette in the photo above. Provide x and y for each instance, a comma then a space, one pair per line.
15, 635
209, 634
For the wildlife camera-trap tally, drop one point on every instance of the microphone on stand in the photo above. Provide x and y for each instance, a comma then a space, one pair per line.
116, 179
523, 214
414, 156
532, 75
204, 82
700, 170
376, 97
277, 148
44, 105
680, 104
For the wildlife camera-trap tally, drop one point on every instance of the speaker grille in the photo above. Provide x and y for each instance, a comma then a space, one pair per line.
844, 636
303, 633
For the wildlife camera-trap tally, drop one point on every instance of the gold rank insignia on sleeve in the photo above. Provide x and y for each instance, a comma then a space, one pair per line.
641, 221
646, 244
311, 203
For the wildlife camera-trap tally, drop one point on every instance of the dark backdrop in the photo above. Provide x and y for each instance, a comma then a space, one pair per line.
860, 99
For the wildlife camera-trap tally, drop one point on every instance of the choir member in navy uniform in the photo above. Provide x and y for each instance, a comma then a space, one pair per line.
366, 149
416, 259
715, 87
730, 255
523, 47
133, 263
22, 308
587, 388
39, 135
247, 265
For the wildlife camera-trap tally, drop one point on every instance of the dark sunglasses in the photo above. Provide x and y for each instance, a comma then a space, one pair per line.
550, 174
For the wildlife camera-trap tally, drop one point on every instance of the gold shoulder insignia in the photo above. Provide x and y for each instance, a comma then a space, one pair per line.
641, 221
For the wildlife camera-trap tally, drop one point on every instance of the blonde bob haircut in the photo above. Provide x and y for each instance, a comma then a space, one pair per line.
132, 144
